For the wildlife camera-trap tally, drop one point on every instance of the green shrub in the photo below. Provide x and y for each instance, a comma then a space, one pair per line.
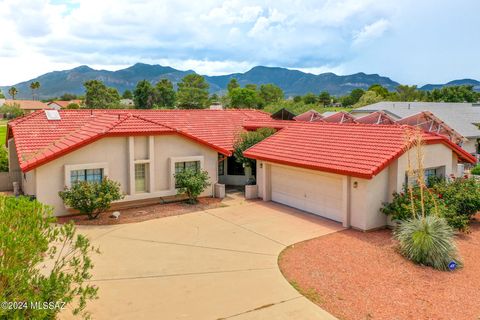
460, 194
73, 105
11, 111
192, 183
91, 198
427, 241
3, 159
41, 261
476, 170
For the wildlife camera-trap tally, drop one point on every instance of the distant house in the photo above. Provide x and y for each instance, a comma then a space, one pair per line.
62, 104
462, 118
309, 116
27, 106
127, 102
283, 114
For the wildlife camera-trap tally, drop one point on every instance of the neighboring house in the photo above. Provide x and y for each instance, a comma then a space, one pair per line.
141, 149
283, 114
127, 102
344, 172
62, 104
461, 117
309, 116
27, 106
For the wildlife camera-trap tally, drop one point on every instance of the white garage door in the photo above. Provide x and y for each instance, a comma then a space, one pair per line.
308, 191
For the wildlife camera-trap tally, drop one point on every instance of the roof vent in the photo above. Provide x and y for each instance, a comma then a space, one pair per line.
52, 115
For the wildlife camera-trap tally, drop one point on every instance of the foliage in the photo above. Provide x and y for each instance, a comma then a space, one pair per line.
245, 98
99, 96
369, 97
192, 92
324, 98
248, 139
310, 98
3, 159
2, 96
73, 105
91, 198
300, 107
127, 94
11, 110
41, 261
427, 241
453, 94
379, 90
13, 92
164, 94
461, 195
232, 84
476, 170
409, 93
192, 183
68, 97
144, 95
270, 93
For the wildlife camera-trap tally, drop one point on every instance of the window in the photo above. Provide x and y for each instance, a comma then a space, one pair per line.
90, 175
234, 168
428, 173
140, 177
221, 165
181, 166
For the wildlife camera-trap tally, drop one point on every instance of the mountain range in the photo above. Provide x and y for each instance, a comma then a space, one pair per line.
293, 82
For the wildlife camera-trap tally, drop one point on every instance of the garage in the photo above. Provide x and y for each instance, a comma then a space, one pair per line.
307, 190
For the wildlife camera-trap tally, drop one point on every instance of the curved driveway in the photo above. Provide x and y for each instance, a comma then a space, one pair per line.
214, 264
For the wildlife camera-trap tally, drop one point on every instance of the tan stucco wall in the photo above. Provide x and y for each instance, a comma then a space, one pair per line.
50, 178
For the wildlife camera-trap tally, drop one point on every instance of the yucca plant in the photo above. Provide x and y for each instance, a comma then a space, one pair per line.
427, 241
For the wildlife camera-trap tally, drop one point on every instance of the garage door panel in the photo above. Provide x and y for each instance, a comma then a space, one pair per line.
311, 192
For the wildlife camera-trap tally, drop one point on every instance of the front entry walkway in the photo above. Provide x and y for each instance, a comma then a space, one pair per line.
215, 264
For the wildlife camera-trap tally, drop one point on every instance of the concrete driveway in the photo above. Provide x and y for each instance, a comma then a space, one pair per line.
215, 264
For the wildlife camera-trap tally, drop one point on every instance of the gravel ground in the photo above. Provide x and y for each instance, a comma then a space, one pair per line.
146, 212
356, 275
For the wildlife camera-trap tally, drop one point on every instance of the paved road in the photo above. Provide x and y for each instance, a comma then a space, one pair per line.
214, 264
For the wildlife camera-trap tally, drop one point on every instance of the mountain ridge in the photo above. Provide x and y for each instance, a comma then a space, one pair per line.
293, 82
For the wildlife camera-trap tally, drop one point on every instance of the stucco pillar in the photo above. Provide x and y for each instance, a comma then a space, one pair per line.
346, 182
151, 165
131, 165
267, 182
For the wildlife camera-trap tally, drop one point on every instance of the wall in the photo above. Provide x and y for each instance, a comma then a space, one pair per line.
115, 152
235, 180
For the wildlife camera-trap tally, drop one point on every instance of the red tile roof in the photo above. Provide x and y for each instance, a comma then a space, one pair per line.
39, 140
65, 103
28, 104
340, 117
377, 117
309, 116
358, 150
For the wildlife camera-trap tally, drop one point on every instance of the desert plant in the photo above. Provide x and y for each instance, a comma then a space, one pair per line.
427, 241
91, 198
41, 262
192, 183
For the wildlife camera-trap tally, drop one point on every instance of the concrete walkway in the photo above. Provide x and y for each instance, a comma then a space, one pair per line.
215, 264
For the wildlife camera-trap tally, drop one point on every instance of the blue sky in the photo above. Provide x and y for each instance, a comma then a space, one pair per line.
413, 42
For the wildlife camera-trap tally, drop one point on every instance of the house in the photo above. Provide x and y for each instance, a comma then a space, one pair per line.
309, 116
283, 114
62, 104
344, 172
141, 149
463, 118
341, 171
27, 106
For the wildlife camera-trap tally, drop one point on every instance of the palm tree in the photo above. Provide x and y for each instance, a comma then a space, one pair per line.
34, 86
13, 92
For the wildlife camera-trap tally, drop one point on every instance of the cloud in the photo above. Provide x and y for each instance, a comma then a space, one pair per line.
371, 31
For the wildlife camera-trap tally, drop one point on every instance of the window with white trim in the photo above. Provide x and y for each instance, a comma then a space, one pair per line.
140, 177
89, 175
184, 165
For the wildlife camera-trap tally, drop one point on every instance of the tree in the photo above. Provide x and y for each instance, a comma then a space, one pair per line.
99, 96
68, 97
144, 95
192, 183
324, 98
244, 98
35, 85
11, 110
409, 93
30, 239
91, 198
352, 98
73, 106
192, 92
379, 90
248, 139
310, 98
127, 94
164, 94
367, 98
251, 86
453, 94
271, 93
13, 92
232, 84
2, 96
297, 99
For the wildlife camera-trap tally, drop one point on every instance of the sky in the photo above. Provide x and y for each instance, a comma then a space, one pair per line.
412, 42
